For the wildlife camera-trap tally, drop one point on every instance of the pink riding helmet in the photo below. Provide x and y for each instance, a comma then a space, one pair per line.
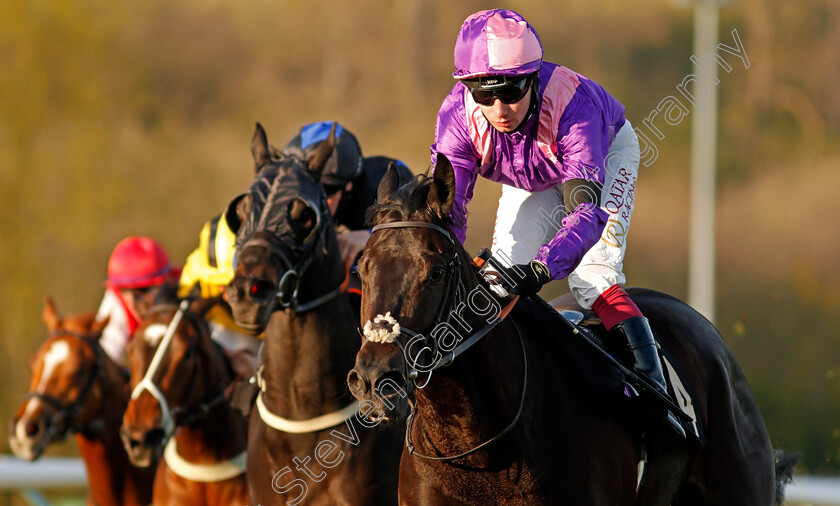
496, 42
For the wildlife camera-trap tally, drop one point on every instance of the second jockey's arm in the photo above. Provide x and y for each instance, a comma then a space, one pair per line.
351, 243
580, 229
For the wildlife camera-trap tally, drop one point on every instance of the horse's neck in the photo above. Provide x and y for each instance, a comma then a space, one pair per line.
219, 436
102, 451
475, 397
306, 358
113, 404
112, 479
101, 421
105, 469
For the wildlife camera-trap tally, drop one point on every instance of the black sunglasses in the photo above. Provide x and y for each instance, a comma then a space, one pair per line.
509, 92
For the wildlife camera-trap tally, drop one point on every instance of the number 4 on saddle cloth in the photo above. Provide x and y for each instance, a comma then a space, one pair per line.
612, 393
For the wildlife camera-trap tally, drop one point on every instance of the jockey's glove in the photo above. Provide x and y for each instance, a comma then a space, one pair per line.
525, 279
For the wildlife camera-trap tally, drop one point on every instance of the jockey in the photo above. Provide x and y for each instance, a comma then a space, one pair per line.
207, 271
568, 160
350, 181
138, 268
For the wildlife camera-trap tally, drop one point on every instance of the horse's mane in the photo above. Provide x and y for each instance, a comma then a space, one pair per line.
408, 203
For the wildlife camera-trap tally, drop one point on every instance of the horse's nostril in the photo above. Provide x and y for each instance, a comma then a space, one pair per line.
390, 384
261, 291
154, 438
32, 429
357, 385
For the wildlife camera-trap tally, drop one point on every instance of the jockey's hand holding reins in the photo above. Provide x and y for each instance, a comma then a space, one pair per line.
525, 279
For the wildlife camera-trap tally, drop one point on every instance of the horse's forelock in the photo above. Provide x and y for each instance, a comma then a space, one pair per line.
408, 203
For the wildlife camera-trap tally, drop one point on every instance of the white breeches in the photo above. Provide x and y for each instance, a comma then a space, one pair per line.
525, 221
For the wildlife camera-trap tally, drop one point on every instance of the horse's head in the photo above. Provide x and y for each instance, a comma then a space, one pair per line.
66, 387
171, 377
410, 270
284, 234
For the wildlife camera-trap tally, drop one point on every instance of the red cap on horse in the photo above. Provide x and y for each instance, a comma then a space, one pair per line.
138, 262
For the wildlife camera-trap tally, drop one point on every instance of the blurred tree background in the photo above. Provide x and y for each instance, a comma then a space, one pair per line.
128, 118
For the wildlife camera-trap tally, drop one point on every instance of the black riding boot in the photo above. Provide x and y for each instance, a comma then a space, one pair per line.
637, 332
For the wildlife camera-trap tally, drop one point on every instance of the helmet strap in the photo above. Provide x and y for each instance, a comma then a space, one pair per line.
131, 317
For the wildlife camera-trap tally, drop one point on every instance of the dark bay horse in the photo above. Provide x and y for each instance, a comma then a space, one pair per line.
307, 442
178, 408
509, 421
76, 388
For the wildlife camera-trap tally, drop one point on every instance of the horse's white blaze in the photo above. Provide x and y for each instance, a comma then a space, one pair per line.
154, 333
21, 426
383, 333
58, 353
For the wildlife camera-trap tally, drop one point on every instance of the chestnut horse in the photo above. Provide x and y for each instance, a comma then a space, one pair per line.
306, 440
76, 388
178, 376
509, 420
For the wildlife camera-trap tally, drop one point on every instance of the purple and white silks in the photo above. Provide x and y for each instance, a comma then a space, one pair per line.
568, 138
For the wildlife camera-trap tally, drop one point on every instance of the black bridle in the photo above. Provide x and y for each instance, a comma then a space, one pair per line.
454, 293
289, 284
453, 274
66, 413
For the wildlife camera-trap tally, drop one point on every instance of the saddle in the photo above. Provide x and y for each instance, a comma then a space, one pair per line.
613, 394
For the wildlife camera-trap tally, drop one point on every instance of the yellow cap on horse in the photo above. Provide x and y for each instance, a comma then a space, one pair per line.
211, 264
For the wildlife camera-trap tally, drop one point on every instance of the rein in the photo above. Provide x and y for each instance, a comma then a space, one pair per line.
281, 424
409, 443
204, 473
459, 349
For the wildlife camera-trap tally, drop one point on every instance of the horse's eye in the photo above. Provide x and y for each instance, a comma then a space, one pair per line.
436, 276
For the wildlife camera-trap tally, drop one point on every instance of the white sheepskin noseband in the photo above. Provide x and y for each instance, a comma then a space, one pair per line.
383, 329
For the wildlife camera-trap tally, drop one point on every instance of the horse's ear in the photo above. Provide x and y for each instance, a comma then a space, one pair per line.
98, 326
50, 315
442, 191
389, 184
259, 148
302, 219
318, 158
243, 209
231, 213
